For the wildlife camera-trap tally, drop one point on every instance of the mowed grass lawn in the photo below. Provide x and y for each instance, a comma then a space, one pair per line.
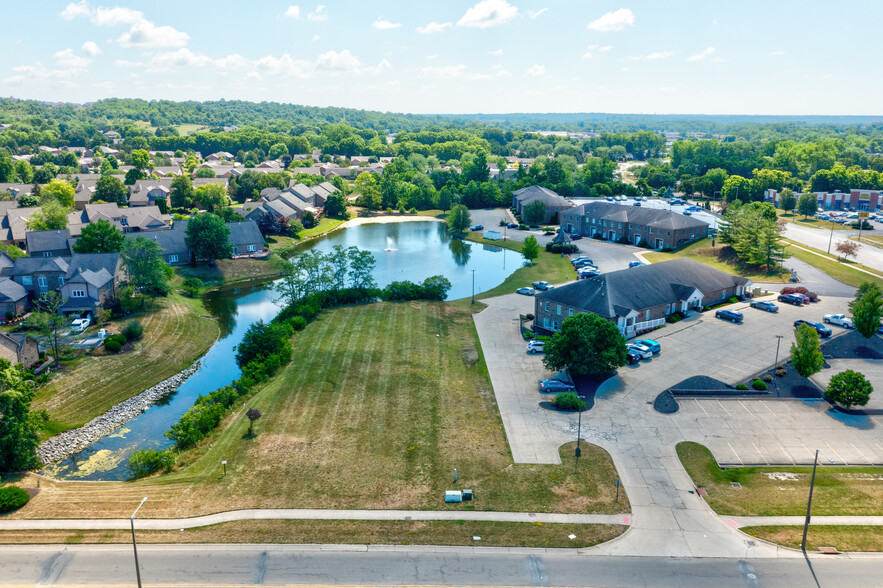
811, 222
718, 257
843, 537
175, 334
378, 407
226, 271
771, 491
845, 271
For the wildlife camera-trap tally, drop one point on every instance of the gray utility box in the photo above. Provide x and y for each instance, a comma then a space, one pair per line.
467, 495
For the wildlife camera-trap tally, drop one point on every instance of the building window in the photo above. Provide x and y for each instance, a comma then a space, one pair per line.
723, 294
173, 259
545, 323
42, 282
620, 225
558, 309
61, 281
546, 306
236, 251
554, 325
605, 223
251, 248
668, 233
78, 293
47, 254
27, 281
569, 312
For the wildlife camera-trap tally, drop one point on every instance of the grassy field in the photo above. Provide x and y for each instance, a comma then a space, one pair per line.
703, 252
381, 404
844, 538
810, 222
845, 271
549, 267
869, 239
770, 491
545, 535
226, 271
325, 225
175, 334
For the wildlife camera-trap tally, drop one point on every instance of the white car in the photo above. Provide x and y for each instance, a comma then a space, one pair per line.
81, 324
641, 351
534, 346
839, 320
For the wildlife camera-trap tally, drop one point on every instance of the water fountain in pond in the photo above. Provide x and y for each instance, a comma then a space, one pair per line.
390, 244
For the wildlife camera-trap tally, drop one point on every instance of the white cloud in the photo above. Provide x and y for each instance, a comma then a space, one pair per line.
536, 70
500, 71
384, 25
283, 66
293, 12
146, 35
433, 27
381, 67
444, 72
232, 61
587, 55
613, 21
433, 56
652, 56
318, 15
68, 60
488, 13
91, 48
668, 90
315, 38
496, 52
116, 16
75, 9
343, 61
536, 13
775, 53
181, 59
702, 55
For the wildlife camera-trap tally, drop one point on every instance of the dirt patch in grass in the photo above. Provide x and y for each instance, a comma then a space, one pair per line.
549, 535
776, 490
842, 537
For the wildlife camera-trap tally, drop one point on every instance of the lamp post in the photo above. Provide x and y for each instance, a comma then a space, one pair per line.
473, 286
812, 483
776, 364
134, 545
831, 238
579, 425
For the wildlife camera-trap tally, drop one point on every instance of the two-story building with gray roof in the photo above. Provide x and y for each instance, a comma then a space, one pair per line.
555, 204
640, 298
634, 224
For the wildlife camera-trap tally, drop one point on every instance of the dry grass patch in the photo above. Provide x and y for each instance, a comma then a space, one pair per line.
843, 537
376, 410
547, 535
771, 491
175, 335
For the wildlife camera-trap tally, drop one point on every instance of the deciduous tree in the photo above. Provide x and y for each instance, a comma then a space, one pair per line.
586, 344
146, 267
534, 213
208, 237
531, 249
99, 237
51, 217
867, 309
182, 192
808, 204
806, 353
847, 248
459, 219
60, 191
110, 189
849, 388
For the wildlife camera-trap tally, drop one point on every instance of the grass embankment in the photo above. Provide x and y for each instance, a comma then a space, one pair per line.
549, 267
869, 239
229, 271
811, 222
845, 271
843, 537
772, 491
175, 334
720, 257
379, 406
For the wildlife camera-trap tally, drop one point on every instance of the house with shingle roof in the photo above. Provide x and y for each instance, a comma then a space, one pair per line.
555, 204
145, 192
13, 298
19, 348
48, 243
639, 298
91, 279
635, 224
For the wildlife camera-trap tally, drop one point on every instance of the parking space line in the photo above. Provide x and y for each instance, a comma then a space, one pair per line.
834, 451
746, 408
877, 445
696, 400
764, 404
724, 407
759, 453
862, 454
736, 454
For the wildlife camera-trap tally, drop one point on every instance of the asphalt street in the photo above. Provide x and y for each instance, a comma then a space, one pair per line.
358, 565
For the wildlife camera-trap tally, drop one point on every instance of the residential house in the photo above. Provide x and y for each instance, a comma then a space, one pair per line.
219, 156
19, 348
222, 170
13, 224
38, 275
145, 192
91, 279
246, 239
16, 189
634, 224
48, 243
640, 298
13, 298
554, 203
167, 170
197, 182
84, 192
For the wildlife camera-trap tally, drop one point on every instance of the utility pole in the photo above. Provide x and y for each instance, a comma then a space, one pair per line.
776, 364
473, 286
134, 546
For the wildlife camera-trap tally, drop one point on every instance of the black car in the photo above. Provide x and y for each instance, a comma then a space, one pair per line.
477, 228
821, 329
764, 305
791, 299
632, 358
729, 315
576, 237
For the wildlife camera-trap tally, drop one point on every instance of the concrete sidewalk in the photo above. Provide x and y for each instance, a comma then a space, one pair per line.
313, 514
798, 521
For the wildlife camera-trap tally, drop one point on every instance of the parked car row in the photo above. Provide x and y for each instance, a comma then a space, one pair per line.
821, 329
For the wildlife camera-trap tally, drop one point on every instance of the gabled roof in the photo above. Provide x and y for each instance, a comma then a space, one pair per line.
280, 208
545, 195
25, 266
171, 241
617, 293
11, 291
639, 215
245, 233
39, 241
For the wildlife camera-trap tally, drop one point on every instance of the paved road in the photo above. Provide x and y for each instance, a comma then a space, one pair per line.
818, 238
359, 565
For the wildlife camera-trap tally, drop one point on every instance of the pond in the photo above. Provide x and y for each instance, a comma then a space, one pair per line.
404, 251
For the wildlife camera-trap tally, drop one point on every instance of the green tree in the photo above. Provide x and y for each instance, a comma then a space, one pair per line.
335, 206
586, 344
459, 219
867, 309
208, 237
132, 176
18, 426
787, 201
111, 189
445, 199
212, 197
140, 159
60, 191
368, 187
736, 188
205, 172
534, 213
806, 353
808, 204
146, 267
182, 192
51, 217
849, 388
278, 150
99, 237
28, 201
531, 249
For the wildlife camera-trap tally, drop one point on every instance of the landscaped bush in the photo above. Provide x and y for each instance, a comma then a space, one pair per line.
147, 461
767, 378
781, 372
133, 330
193, 287
12, 498
565, 248
569, 401
674, 317
741, 386
758, 385
298, 323
733, 300
527, 334
813, 297
112, 345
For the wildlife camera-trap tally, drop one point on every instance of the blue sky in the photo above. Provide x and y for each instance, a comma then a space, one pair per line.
748, 57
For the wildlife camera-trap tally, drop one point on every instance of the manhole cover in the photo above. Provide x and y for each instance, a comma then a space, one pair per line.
751, 543
735, 484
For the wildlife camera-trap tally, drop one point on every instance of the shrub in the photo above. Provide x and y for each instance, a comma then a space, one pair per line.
781, 372
147, 461
298, 323
193, 287
12, 498
674, 317
741, 386
767, 378
527, 334
133, 330
758, 385
569, 401
598, 236
733, 300
112, 345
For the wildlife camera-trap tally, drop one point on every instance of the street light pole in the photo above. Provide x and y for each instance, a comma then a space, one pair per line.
579, 426
134, 545
831, 238
812, 483
473, 286
776, 364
